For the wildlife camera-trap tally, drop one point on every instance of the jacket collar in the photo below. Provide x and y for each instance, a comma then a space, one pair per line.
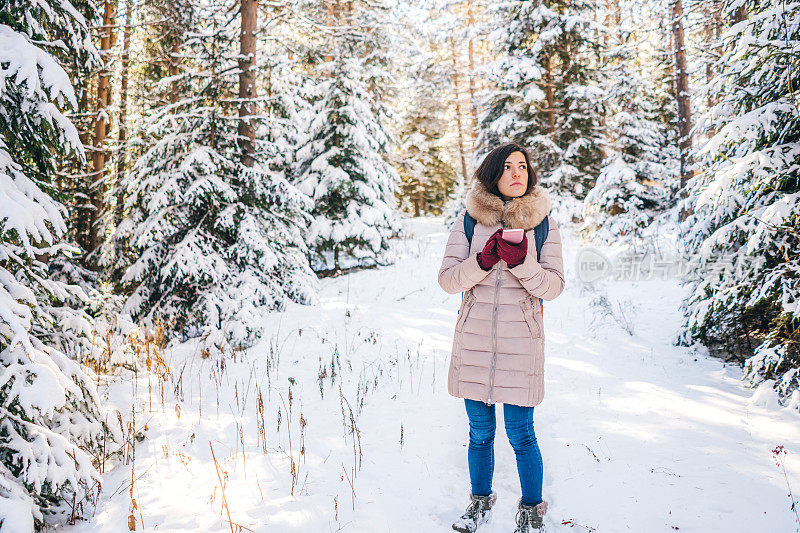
525, 211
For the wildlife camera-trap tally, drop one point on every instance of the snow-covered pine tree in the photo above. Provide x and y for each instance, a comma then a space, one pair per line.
547, 97
641, 157
342, 163
208, 240
342, 166
49, 412
745, 232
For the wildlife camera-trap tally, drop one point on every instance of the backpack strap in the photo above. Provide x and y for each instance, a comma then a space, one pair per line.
540, 234
469, 226
469, 231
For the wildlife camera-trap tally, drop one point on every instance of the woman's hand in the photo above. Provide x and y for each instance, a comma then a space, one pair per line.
513, 254
488, 257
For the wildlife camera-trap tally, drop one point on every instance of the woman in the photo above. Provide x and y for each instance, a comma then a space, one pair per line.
498, 347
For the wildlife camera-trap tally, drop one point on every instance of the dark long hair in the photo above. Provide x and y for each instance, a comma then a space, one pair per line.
491, 168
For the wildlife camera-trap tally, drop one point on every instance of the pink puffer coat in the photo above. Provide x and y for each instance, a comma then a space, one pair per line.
498, 346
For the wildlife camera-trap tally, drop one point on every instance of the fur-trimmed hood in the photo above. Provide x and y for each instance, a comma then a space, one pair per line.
525, 211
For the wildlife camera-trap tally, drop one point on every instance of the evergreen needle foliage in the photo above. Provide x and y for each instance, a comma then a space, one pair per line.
745, 233
49, 409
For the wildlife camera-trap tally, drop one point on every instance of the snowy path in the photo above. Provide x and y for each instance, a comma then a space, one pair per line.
636, 434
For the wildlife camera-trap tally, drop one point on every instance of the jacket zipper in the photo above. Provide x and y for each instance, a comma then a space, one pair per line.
494, 331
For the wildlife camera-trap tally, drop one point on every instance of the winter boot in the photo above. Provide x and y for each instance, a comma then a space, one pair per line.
478, 512
529, 518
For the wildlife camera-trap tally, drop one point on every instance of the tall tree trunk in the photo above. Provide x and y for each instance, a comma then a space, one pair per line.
713, 31
616, 18
98, 187
464, 178
682, 95
670, 61
550, 111
739, 15
613, 29
123, 112
174, 68
247, 80
473, 109
82, 183
331, 10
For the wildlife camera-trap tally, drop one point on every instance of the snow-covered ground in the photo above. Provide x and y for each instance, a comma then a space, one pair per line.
636, 434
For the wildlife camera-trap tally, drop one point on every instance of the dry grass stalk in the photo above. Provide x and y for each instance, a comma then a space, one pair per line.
778, 455
260, 422
293, 470
355, 433
350, 482
222, 486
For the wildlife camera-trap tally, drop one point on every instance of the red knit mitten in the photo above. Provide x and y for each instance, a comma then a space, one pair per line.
513, 254
488, 257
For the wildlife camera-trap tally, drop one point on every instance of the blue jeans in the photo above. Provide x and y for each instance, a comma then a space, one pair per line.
480, 454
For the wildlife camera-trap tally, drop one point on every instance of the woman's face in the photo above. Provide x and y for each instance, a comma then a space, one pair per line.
514, 181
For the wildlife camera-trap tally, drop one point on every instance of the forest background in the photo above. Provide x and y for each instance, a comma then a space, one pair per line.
173, 169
